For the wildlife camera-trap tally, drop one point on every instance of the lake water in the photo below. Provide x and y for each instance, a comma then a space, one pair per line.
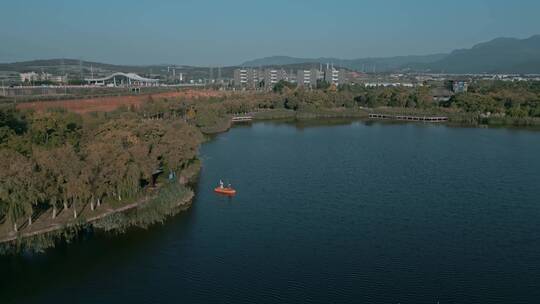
345, 213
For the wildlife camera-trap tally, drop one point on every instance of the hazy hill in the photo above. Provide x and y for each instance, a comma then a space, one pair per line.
501, 55
363, 64
73, 66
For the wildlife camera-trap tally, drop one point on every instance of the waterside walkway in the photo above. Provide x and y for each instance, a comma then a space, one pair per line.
409, 118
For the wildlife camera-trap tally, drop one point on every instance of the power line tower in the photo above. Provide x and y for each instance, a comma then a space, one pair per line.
80, 69
64, 77
63, 67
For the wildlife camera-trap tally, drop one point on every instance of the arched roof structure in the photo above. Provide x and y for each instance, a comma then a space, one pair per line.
131, 76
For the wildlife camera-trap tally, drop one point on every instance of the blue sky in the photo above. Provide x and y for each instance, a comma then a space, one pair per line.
211, 32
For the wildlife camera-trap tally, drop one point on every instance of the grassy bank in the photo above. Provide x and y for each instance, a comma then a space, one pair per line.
168, 201
458, 117
455, 117
39, 242
219, 125
284, 114
272, 114
511, 121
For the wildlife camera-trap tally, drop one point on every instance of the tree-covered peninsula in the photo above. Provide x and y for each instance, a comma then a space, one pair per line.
56, 163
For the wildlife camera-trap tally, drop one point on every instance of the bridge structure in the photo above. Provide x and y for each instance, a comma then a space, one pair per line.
241, 117
123, 79
409, 118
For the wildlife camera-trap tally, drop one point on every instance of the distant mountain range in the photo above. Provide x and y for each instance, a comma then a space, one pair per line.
501, 55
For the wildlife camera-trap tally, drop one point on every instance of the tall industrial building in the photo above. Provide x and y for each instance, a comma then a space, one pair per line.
308, 78
334, 76
331, 75
251, 78
272, 76
247, 78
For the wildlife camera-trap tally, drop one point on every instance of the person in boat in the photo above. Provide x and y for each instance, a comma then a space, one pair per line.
220, 184
229, 186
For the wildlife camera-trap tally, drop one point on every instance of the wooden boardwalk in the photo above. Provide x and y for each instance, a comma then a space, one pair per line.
242, 117
409, 118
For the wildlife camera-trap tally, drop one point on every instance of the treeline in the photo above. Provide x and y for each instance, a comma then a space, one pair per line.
63, 162
328, 96
516, 99
490, 98
500, 98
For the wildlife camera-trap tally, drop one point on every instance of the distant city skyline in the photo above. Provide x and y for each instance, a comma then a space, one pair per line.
212, 33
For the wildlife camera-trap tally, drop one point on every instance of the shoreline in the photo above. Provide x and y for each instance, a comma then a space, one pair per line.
56, 230
454, 118
65, 229
91, 220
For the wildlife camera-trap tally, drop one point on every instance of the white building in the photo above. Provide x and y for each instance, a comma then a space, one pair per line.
331, 75
272, 76
308, 78
240, 77
58, 78
33, 76
123, 79
303, 77
29, 77
249, 78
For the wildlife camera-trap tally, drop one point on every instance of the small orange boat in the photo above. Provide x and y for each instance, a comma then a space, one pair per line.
225, 191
